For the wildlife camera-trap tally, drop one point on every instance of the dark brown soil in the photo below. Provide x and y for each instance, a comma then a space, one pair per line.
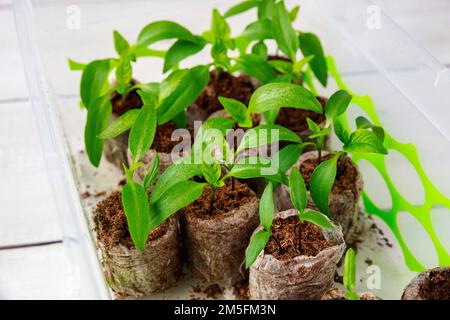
162, 141
236, 87
345, 181
291, 238
241, 292
111, 223
437, 285
132, 101
225, 200
295, 119
212, 291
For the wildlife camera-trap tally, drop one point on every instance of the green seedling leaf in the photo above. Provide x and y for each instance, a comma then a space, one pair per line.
180, 120
283, 31
220, 123
121, 44
267, 207
241, 7
124, 72
364, 141
294, 13
179, 90
144, 128
260, 49
350, 270
186, 192
238, 111
99, 113
298, 191
256, 67
258, 31
301, 63
153, 171
211, 172
147, 52
163, 30
256, 167
310, 46
364, 123
150, 87
76, 66
181, 50
273, 96
265, 134
219, 26
135, 204
288, 156
282, 66
257, 244
94, 80
321, 183
266, 9
340, 131
317, 218
120, 125
337, 105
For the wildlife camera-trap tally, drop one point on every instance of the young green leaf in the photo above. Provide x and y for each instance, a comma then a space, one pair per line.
284, 32
297, 190
294, 13
219, 26
288, 156
282, 66
273, 96
267, 207
337, 105
321, 183
257, 244
340, 131
310, 46
98, 115
260, 49
135, 204
186, 192
298, 66
153, 171
350, 270
211, 172
317, 218
179, 51
241, 7
163, 30
266, 9
364, 123
123, 75
364, 141
266, 134
238, 111
144, 128
94, 80
120, 125
121, 44
256, 67
257, 167
75, 66
180, 90
258, 31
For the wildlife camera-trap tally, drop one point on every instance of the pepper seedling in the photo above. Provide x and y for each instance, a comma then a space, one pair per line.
350, 275
299, 199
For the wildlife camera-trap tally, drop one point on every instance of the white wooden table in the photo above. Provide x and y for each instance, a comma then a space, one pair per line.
33, 263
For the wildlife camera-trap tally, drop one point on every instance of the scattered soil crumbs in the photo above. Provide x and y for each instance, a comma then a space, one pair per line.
236, 87
345, 181
241, 292
384, 241
437, 285
291, 237
295, 119
85, 195
225, 200
111, 224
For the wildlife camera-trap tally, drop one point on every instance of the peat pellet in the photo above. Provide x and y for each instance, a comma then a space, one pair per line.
128, 270
216, 243
298, 263
338, 294
343, 199
433, 284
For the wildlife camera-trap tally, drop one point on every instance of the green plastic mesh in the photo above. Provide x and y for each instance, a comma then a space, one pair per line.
422, 212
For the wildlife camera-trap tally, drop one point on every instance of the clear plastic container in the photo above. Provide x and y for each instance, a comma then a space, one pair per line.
374, 57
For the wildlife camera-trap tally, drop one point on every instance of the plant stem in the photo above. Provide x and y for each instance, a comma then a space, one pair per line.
216, 81
211, 200
319, 150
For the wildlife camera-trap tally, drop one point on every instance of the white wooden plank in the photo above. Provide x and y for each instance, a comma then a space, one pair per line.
37, 273
12, 78
28, 213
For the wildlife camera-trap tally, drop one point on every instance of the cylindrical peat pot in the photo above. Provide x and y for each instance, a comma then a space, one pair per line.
343, 199
432, 284
128, 270
299, 261
338, 294
216, 242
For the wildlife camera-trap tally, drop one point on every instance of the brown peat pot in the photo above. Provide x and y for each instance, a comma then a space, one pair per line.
338, 294
432, 284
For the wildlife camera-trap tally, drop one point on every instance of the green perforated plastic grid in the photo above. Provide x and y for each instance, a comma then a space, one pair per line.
422, 212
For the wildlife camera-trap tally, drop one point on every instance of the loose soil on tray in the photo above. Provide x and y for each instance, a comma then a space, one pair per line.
437, 285
237, 87
225, 200
111, 223
120, 106
343, 182
162, 141
291, 238
295, 119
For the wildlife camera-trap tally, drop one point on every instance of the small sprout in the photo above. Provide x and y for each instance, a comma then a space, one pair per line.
350, 275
